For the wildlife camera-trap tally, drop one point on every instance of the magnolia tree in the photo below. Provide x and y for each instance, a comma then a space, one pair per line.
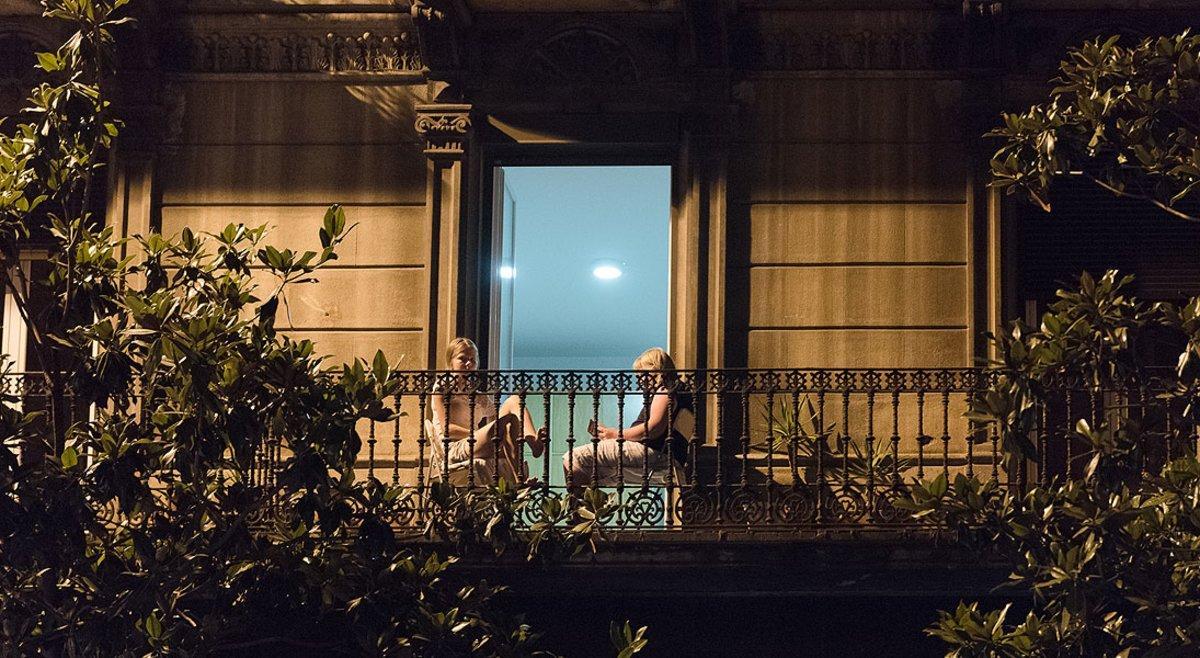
136, 528
1125, 117
1105, 550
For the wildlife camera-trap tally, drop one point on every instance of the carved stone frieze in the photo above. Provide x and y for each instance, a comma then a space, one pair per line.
296, 53
581, 54
800, 50
446, 129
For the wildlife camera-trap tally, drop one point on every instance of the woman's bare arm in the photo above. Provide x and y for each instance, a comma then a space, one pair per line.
655, 425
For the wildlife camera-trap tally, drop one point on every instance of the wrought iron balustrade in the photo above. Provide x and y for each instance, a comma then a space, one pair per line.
760, 450
764, 449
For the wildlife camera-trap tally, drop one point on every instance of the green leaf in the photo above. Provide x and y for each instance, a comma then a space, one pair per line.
937, 488
153, 626
49, 62
70, 457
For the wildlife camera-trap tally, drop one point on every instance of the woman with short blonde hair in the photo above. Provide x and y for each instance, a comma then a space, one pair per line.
645, 443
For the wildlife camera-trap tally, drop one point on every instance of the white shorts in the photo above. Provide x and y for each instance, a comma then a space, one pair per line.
614, 461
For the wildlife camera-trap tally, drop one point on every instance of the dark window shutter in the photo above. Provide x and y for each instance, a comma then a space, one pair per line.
1091, 229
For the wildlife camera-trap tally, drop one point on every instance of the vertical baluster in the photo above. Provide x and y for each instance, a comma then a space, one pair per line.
519, 461
745, 437
571, 390
794, 437
596, 435
647, 393
499, 443
922, 438
669, 441
421, 440
844, 439
370, 449
870, 440
621, 448
771, 438
820, 441
694, 439
973, 429
946, 431
896, 479
472, 402
276, 457
549, 384
719, 432
446, 398
396, 441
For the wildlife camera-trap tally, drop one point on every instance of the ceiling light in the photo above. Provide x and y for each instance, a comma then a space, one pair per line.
507, 271
606, 271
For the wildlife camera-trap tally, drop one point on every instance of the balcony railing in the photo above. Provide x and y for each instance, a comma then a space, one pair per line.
760, 450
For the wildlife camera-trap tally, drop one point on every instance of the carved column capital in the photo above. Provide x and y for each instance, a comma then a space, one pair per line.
447, 129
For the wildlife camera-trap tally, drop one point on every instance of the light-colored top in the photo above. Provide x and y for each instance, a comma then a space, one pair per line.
460, 413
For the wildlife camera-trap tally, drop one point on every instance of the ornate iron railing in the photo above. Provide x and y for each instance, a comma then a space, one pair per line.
741, 449
763, 449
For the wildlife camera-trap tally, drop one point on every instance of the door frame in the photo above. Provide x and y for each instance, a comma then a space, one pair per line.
683, 234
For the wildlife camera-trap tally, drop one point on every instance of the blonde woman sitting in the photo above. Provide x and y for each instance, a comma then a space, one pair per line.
645, 443
496, 434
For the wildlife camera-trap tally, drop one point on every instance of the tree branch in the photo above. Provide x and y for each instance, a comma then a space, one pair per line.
1142, 197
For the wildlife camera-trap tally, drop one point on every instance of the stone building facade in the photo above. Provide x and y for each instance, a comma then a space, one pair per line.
829, 202
829, 197
830, 206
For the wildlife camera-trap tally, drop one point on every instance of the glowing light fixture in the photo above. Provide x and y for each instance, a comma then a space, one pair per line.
507, 271
606, 270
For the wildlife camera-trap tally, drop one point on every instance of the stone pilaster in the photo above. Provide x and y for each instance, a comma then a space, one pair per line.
447, 130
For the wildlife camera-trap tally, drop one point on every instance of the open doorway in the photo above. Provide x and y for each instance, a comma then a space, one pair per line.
582, 275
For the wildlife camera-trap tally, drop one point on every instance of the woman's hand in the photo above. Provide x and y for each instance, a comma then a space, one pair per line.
538, 443
601, 432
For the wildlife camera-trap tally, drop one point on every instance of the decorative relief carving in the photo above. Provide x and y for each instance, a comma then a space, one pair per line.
799, 50
293, 53
446, 129
581, 55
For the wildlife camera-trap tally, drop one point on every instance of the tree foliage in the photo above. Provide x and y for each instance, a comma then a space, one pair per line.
1108, 550
1125, 117
140, 528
